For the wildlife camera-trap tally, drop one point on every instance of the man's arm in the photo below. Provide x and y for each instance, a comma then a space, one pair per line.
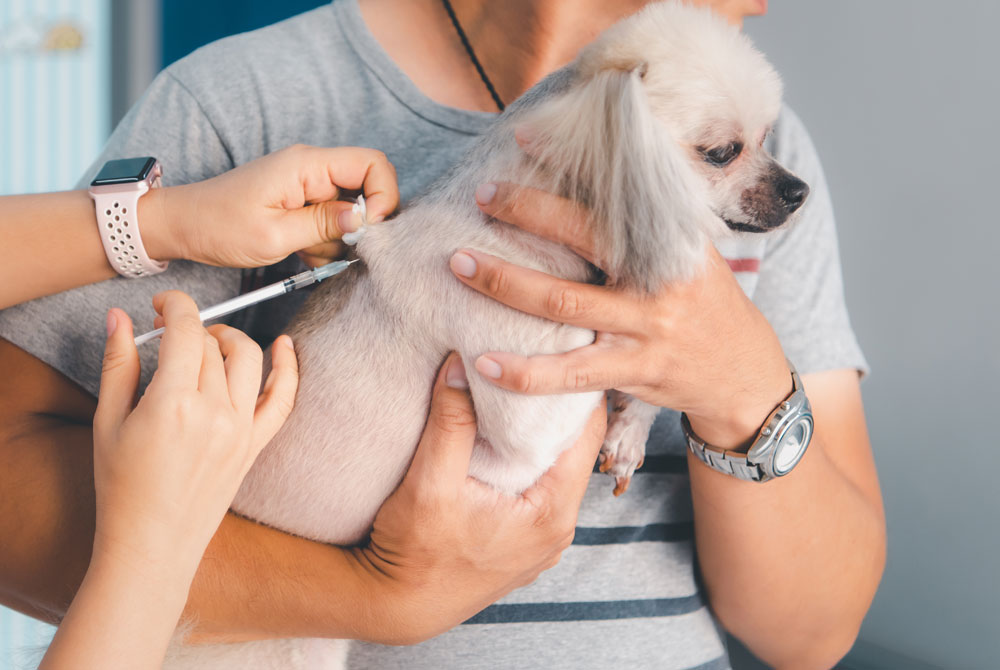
791, 566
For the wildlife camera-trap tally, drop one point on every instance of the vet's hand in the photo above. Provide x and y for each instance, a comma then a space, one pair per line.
700, 347
444, 545
282, 203
166, 469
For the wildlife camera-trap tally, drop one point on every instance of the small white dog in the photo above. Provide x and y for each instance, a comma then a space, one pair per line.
657, 130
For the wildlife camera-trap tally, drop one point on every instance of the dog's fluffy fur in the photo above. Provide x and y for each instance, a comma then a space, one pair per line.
630, 130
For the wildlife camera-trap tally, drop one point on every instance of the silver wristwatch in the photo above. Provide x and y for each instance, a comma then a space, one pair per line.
778, 447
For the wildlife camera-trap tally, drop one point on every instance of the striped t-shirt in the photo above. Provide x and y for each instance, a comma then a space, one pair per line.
625, 594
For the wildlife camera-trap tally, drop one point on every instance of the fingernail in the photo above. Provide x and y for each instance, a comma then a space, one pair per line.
455, 376
288, 342
463, 264
488, 367
112, 322
485, 193
347, 222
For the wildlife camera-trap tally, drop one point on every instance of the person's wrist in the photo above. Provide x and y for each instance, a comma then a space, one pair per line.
735, 423
157, 219
167, 575
389, 612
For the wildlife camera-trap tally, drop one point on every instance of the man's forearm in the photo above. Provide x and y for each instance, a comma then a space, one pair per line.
791, 565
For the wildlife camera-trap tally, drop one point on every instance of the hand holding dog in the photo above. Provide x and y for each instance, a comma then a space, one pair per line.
260, 212
700, 347
445, 545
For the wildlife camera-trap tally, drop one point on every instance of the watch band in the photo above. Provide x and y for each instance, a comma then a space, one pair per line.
117, 221
724, 460
757, 463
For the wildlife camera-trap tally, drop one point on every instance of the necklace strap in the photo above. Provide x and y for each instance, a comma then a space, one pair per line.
472, 55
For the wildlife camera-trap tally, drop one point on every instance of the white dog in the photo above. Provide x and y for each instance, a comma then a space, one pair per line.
657, 130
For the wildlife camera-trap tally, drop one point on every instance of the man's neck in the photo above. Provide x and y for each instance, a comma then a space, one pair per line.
518, 42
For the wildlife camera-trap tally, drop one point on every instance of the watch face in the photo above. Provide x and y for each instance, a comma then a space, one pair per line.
792, 444
124, 171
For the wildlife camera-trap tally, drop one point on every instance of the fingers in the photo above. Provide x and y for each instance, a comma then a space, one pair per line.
278, 397
380, 188
243, 360
446, 446
212, 378
183, 344
357, 168
591, 368
583, 305
541, 213
327, 172
119, 373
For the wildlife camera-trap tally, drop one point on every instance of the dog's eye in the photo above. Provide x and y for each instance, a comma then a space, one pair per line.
724, 155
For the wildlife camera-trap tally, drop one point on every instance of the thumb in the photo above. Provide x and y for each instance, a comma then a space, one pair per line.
275, 402
446, 446
119, 373
321, 222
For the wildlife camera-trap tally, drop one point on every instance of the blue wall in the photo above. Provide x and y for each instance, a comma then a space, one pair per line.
189, 24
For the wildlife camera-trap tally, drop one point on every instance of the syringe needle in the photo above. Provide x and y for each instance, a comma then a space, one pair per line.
260, 295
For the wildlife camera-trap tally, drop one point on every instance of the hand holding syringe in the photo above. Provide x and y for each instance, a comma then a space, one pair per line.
278, 288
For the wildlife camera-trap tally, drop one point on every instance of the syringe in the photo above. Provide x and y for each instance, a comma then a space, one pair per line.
260, 295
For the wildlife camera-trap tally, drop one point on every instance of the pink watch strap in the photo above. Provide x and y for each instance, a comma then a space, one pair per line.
117, 221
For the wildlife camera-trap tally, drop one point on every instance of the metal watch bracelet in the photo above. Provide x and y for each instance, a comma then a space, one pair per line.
779, 445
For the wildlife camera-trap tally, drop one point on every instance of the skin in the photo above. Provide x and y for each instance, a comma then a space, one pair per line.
830, 543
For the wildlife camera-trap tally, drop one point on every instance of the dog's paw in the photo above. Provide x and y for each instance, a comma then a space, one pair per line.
623, 452
625, 442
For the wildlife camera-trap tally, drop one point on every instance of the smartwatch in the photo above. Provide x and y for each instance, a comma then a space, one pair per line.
116, 191
779, 446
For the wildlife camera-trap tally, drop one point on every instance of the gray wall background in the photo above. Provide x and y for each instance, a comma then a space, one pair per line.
901, 98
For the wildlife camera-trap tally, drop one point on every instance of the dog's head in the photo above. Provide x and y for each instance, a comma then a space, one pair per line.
661, 133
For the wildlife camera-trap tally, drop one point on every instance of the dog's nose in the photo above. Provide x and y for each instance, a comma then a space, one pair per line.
793, 192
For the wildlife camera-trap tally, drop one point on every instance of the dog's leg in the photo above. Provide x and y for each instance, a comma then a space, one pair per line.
624, 447
520, 435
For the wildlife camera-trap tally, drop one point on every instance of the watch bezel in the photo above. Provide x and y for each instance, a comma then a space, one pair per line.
118, 172
790, 411
804, 418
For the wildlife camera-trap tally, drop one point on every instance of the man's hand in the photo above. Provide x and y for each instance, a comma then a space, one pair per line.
445, 545
259, 213
700, 347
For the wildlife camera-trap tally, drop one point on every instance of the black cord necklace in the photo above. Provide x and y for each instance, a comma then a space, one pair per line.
472, 55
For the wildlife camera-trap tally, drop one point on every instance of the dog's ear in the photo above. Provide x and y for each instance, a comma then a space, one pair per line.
599, 144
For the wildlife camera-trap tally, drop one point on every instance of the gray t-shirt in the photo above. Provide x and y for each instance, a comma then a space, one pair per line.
625, 593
